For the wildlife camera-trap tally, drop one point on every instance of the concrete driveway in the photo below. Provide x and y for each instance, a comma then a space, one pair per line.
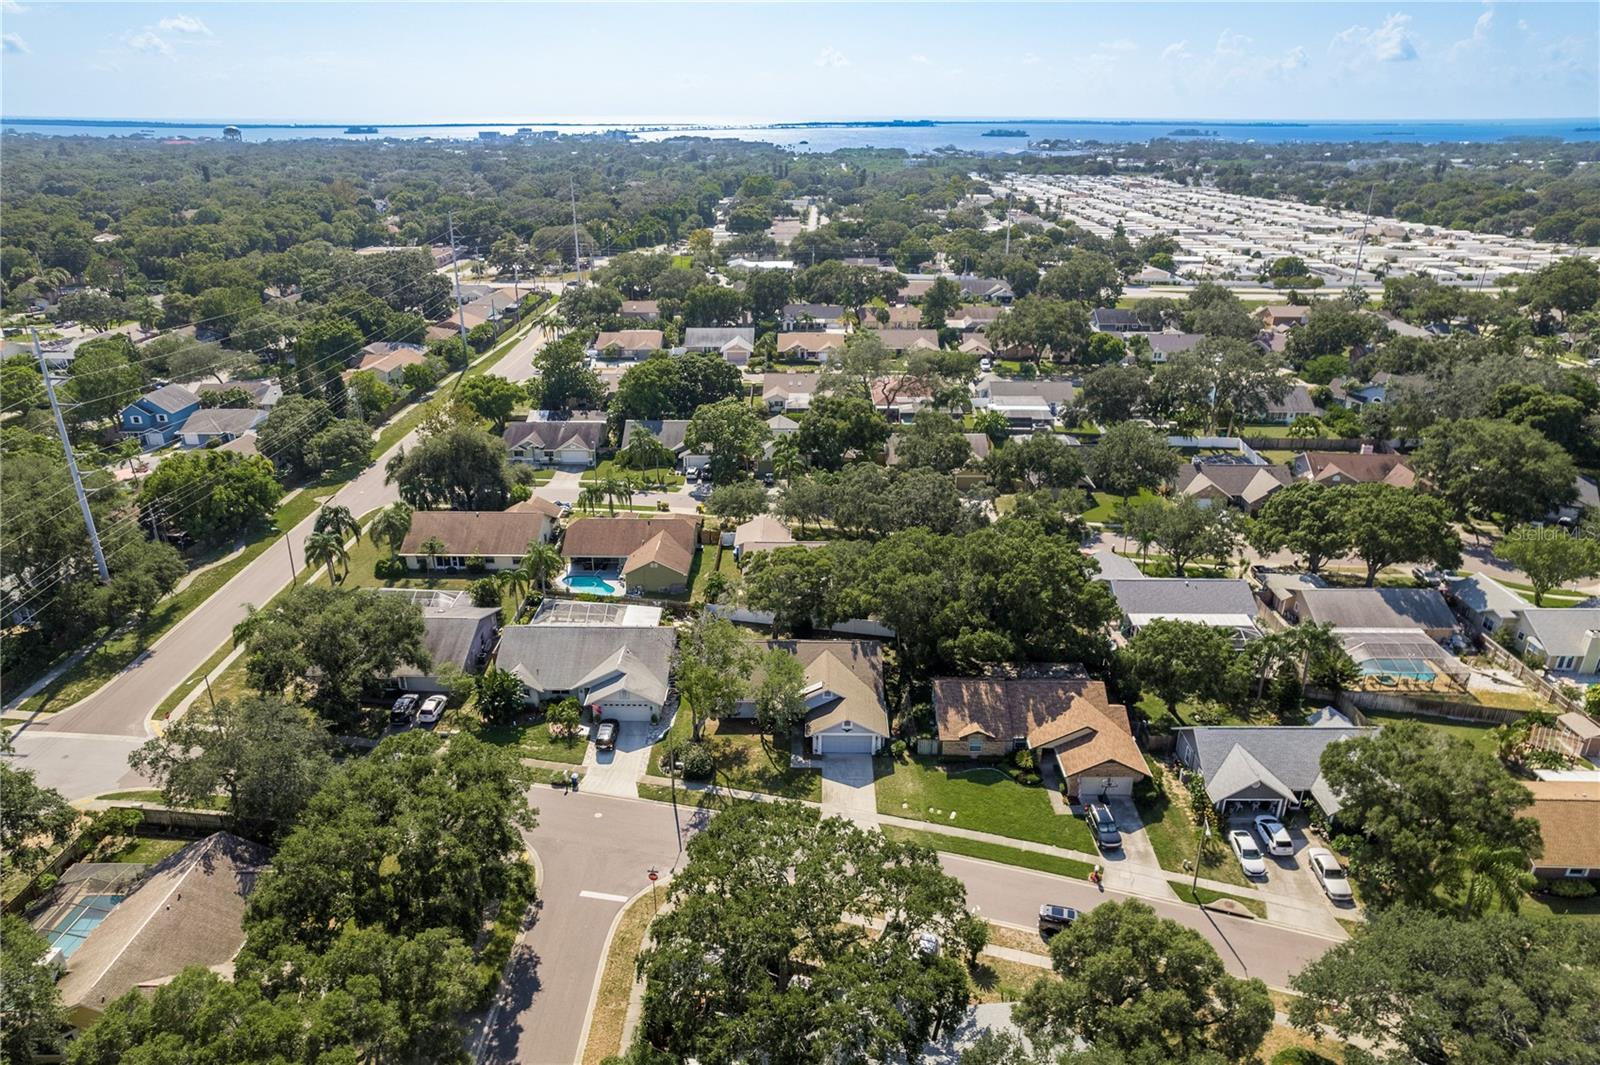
617, 772
1292, 894
848, 788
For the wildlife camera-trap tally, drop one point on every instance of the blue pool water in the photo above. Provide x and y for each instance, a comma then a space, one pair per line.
84, 917
588, 584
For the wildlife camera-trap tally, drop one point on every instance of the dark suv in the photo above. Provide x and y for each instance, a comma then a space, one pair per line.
1105, 827
1054, 918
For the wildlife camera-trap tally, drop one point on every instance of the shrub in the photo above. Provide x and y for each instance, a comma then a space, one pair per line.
563, 719
475, 564
1572, 889
389, 569
661, 504
898, 748
485, 592
1299, 1056
696, 761
1023, 760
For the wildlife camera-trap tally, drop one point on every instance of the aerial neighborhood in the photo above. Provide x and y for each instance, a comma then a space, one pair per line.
566, 596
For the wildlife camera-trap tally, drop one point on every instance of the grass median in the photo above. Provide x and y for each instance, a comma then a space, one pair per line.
991, 852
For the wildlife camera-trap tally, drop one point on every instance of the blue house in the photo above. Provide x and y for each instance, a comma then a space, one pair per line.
155, 418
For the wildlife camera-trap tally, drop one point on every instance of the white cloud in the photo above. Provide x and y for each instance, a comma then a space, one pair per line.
1294, 59
832, 57
11, 7
1030, 59
1177, 51
1522, 24
920, 58
11, 44
145, 41
1389, 43
1231, 43
184, 24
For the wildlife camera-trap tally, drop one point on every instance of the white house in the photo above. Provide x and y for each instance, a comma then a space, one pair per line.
496, 538
569, 442
615, 671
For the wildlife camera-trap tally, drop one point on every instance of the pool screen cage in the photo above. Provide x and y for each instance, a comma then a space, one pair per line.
1396, 661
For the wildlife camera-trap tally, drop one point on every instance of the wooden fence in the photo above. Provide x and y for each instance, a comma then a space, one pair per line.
1509, 662
1304, 443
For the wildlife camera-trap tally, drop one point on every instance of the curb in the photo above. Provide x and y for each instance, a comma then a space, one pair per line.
600, 970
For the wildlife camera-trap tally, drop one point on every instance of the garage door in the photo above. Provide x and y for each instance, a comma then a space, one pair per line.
1111, 787
627, 711
844, 743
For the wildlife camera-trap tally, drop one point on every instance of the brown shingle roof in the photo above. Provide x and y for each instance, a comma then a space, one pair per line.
1045, 711
1353, 466
475, 532
629, 339
669, 541
1568, 812
852, 670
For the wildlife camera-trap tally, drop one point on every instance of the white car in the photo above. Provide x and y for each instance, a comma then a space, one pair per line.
1244, 849
431, 711
1330, 874
1274, 836
985, 365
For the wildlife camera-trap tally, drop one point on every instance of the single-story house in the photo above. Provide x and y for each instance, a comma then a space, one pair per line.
975, 344
763, 533
670, 432
625, 343
263, 393
1295, 403
811, 316
809, 346
244, 444
1567, 637
845, 711
1283, 315
616, 671
1066, 716
1219, 602
1058, 392
498, 537
380, 348
901, 341
1373, 608
973, 317
1262, 769
1116, 320
219, 425
1353, 467
1484, 602
787, 392
1231, 484
900, 316
652, 554
1164, 346
156, 417
1276, 588
1568, 812
642, 310
556, 442
188, 910
390, 367
735, 344
782, 425
454, 632
968, 475
992, 289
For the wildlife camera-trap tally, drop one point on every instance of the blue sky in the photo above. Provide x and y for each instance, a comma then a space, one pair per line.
480, 62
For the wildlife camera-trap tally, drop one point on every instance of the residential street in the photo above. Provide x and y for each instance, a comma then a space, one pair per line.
594, 853
120, 709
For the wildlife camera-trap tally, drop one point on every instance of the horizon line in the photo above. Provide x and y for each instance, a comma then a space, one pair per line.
774, 122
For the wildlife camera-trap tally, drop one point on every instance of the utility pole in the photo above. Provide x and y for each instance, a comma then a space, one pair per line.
72, 464
515, 294
577, 255
455, 270
1355, 276
293, 577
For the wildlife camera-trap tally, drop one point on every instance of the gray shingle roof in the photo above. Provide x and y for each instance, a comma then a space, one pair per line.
171, 398
1481, 593
1375, 608
669, 431
1178, 596
550, 435
1561, 631
698, 338
567, 657
1291, 753
219, 420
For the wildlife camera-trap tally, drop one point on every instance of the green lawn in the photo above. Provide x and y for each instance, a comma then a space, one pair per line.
1174, 836
743, 758
1154, 708
1555, 906
366, 555
1480, 736
701, 574
993, 852
1199, 896
982, 800
111, 657
145, 850
609, 468
534, 741
153, 795
1106, 504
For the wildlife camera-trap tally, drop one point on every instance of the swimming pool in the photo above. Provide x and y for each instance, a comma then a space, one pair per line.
84, 917
589, 584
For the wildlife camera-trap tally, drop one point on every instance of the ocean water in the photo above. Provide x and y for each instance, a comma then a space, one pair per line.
917, 137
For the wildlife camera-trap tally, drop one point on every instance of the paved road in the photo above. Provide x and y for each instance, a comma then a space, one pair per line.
120, 709
604, 845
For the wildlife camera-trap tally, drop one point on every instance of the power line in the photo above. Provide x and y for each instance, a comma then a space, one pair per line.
72, 467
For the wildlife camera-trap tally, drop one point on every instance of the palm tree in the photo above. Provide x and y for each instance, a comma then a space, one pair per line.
786, 458
1491, 874
541, 564
432, 548
616, 489
338, 521
326, 548
591, 497
390, 526
514, 583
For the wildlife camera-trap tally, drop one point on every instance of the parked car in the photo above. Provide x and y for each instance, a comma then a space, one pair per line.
985, 365
1274, 836
432, 710
692, 475
1105, 827
1330, 874
1244, 849
403, 710
927, 944
605, 736
1054, 918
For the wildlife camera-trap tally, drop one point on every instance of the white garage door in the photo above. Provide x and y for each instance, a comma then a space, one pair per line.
844, 743
627, 711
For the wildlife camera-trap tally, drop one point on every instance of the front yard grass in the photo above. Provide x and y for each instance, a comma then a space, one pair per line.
743, 758
1199, 896
993, 852
1003, 980
979, 799
535, 741
1106, 503
662, 475
1174, 835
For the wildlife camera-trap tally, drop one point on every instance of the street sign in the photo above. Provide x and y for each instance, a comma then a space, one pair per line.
654, 876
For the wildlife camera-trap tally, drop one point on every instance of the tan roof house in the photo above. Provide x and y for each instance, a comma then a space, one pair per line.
653, 555
625, 343
496, 538
1246, 487
1568, 812
1283, 314
1064, 716
845, 711
1342, 467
